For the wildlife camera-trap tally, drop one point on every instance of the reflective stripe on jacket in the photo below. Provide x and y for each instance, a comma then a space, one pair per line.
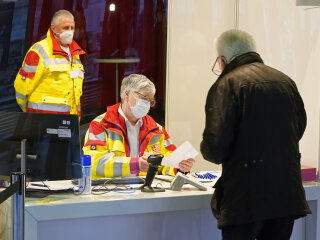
48, 80
106, 141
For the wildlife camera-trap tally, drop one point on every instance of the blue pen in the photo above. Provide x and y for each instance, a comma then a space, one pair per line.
212, 176
200, 176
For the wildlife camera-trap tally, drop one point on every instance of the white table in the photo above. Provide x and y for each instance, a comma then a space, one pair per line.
312, 222
164, 216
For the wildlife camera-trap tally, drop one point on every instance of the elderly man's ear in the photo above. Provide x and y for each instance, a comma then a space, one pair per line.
126, 94
222, 63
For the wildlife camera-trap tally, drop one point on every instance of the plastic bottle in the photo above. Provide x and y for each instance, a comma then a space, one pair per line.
85, 181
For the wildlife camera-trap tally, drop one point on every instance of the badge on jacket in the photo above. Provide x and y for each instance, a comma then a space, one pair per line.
76, 73
155, 148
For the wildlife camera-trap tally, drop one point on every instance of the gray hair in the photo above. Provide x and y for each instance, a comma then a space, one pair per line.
233, 43
135, 83
60, 13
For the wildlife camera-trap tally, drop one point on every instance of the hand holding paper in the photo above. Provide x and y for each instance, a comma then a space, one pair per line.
186, 165
183, 152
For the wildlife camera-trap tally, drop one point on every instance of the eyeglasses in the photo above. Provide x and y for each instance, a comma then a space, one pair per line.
214, 70
146, 98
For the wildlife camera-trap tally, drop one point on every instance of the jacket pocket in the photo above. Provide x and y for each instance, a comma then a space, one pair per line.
81, 68
59, 68
54, 100
217, 198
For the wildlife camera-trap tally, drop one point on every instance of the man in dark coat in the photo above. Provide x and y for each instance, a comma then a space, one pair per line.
255, 118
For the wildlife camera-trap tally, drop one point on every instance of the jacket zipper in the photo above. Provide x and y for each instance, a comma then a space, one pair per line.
146, 136
124, 134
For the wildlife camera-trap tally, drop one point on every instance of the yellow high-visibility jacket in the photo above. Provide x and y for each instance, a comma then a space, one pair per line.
48, 80
107, 144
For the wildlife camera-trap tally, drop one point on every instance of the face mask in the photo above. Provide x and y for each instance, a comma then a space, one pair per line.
66, 36
141, 108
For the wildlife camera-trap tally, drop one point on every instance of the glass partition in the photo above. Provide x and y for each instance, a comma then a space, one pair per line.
111, 32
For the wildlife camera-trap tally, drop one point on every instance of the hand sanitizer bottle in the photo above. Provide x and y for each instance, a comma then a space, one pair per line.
85, 181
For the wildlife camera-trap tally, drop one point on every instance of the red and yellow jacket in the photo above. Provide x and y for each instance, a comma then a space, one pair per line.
106, 141
48, 80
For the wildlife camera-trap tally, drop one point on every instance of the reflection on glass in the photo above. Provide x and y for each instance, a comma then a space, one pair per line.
13, 30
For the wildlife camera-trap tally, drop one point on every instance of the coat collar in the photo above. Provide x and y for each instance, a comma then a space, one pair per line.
57, 50
113, 116
243, 59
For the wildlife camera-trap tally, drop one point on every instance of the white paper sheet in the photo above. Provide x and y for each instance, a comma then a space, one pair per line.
50, 185
183, 152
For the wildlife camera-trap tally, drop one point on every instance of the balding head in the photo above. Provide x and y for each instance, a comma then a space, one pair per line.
59, 14
233, 43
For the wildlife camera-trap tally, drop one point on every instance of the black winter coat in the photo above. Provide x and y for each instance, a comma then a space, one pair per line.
255, 118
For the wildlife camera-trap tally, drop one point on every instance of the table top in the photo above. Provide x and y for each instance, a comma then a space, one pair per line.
69, 205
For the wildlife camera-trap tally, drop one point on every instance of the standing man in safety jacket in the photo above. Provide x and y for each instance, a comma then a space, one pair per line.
118, 139
50, 79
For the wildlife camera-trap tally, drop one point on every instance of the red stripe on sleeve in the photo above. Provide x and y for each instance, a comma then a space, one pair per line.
95, 142
32, 58
166, 135
171, 147
26, 74
95, 128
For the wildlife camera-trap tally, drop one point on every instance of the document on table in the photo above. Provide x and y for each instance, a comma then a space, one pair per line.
183, 152
50, 185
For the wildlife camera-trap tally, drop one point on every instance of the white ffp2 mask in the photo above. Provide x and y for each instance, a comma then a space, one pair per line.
66, 36
141, 108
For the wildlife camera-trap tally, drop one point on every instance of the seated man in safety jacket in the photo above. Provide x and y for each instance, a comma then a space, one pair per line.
118, 139
50, 79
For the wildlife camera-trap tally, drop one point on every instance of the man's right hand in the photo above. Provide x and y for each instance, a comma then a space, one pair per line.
143, 164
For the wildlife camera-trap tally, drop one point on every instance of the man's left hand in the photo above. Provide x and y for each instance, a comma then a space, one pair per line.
186, 165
